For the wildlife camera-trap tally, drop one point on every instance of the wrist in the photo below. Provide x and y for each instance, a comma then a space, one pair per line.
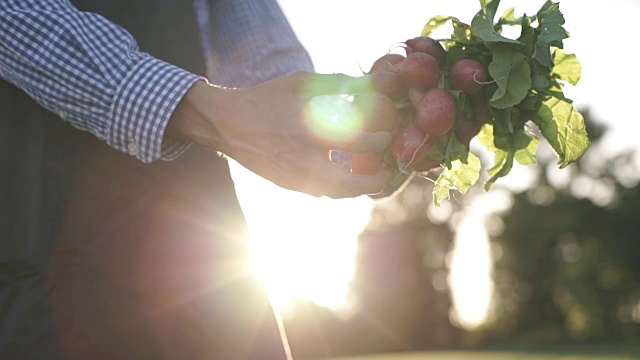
195, 116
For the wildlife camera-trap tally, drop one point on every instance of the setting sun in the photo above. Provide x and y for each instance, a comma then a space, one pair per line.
304, 248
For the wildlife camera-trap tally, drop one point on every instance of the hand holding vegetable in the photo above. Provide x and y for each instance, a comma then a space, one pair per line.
274, 130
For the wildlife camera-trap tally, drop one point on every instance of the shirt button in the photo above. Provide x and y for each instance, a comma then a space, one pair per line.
132, 148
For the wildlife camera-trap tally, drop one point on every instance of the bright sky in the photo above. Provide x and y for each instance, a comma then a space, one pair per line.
299, 237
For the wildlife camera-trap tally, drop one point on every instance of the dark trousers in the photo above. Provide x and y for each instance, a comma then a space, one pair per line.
128, 261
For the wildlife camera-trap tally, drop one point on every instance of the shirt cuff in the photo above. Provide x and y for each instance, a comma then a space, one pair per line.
142, 107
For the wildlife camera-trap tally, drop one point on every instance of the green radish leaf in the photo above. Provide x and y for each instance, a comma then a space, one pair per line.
508, 18
440, 190
551, 20
512, 73
460, 172
541, 78
455, 151
434, 23
555, 90
458, 52
439, 145
531, 103
502, 122
463, 106
489, 9
540, 81
503, 163
563, 127
486, 137
461, 31
503, 158
542, 54
528, 36
525, 145
550, 32
566, 67
482, 25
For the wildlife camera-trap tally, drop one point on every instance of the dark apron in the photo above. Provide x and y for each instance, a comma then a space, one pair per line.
31, 185
103, 257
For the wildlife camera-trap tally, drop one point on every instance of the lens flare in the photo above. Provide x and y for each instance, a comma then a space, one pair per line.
332, 118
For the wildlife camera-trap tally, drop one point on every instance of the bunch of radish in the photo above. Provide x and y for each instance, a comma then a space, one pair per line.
419, 87
506, 92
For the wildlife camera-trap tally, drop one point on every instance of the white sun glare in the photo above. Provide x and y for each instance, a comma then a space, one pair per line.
304, 248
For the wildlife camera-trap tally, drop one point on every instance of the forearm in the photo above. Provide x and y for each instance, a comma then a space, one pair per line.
90, 73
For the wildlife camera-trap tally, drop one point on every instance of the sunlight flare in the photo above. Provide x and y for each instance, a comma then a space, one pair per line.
304, 248
331, 118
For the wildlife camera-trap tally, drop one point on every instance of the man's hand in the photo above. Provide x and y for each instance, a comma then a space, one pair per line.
269, 130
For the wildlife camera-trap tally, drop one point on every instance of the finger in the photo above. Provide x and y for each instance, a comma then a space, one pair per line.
318, 176
388, 83
327, 84
341, 183
354, 185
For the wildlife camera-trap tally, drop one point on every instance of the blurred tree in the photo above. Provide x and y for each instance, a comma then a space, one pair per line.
401, 278
402, 299
568, 268
401, 281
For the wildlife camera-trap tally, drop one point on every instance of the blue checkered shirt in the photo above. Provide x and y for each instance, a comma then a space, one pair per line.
91, 73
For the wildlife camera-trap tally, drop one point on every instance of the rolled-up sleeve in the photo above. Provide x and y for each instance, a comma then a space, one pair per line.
91, 73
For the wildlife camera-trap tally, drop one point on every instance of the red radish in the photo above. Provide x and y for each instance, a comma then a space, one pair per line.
388, 83
385, 63
419, 70
366, 163
376, 111
410, 145
467, 75
427, 45
436, 112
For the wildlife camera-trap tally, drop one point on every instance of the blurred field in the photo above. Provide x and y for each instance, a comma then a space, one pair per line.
587, 353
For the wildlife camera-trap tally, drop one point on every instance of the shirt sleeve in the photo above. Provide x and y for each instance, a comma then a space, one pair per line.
249, 41
91, 73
